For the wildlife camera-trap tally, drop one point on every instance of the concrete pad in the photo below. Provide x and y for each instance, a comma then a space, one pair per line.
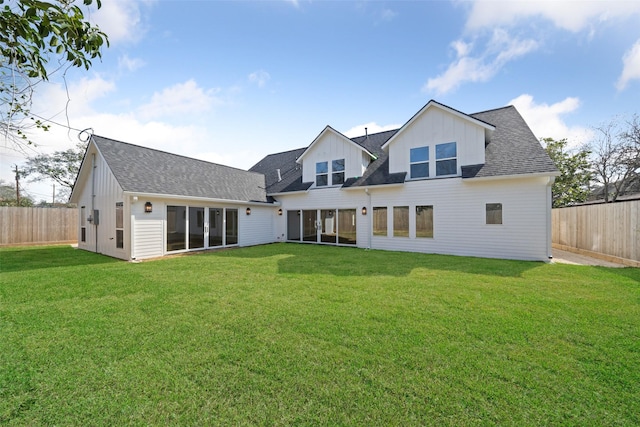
565, 257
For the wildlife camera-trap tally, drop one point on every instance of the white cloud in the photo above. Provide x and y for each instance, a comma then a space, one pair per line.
631, 66
569, 15
130, 64
546, 120
259, 78
120, 20
500, 50
387, 15
372, 127
55, 101
182, 98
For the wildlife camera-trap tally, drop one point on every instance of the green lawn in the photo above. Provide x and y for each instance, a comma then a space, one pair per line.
315, 335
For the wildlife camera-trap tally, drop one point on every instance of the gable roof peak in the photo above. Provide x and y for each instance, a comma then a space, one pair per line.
346, 139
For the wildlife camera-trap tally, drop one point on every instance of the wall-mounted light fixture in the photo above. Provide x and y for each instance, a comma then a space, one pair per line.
280, 212
248, 211
148, 207
364, 210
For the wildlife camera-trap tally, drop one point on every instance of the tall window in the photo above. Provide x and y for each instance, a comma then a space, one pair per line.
322, 174
119, 225
424, 221
419, 162
83, 224
379, 221
446, 163
401, 221
176, 228
231, 227
494, 213
347, 226
337, 169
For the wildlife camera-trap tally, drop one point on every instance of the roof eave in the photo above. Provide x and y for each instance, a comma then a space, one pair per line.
363, 187
512, 176
197, 198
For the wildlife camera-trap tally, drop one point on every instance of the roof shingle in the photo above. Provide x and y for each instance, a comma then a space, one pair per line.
145, 170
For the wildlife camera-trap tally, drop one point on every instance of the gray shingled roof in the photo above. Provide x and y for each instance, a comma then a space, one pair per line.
513, 150
290, 171
145, 170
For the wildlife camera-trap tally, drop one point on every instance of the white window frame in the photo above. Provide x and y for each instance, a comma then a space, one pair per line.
325, 174
420, 162
443, 159
335, 172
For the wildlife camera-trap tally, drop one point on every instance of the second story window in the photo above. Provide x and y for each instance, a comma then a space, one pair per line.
446, 162
337, 169
419, 162
322, 174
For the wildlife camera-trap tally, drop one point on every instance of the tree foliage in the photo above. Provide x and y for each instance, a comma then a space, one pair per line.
616, 157
8, 196
38, 38
61, 166
572, 186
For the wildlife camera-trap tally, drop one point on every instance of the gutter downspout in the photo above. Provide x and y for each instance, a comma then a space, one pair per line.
549, 215
370, 221
93, 196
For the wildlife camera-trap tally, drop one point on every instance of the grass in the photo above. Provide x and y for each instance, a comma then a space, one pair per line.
315, 335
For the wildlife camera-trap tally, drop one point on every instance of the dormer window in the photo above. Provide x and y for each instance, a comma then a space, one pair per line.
336, 172
446, 159
322, 174
419, 162
337, 169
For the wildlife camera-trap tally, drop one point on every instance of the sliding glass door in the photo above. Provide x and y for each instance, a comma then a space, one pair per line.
309, 226
330, 226
192, 227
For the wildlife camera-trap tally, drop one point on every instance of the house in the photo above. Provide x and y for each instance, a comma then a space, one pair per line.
445, 182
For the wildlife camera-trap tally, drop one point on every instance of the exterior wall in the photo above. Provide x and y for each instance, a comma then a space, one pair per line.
327, 198
437, 126
459, 216
150, 229
259, 227
330, 147
101, 238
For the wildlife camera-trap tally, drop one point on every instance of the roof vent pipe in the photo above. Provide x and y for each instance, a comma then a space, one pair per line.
279, 175
366, 132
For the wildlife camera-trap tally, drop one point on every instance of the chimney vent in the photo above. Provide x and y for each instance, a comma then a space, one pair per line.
366, 132
279, 175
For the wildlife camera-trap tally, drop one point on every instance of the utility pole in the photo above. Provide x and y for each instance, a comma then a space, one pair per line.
17, 186
53, 201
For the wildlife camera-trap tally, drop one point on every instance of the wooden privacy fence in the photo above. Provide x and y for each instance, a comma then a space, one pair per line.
20, 226
604, 230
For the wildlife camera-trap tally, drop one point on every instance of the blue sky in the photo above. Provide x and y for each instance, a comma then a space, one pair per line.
232, 81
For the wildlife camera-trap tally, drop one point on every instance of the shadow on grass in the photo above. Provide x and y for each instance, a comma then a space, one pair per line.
34, 258
345, 261
632, 273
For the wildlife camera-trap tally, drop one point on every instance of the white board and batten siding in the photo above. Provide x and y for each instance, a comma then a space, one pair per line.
437, 126
329, 147
107, 193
